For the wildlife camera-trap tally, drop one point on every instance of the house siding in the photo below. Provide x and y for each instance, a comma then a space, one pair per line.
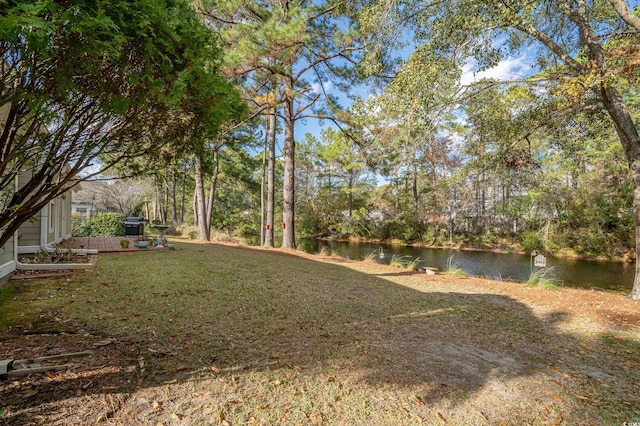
7, 261
6, 252
29, 233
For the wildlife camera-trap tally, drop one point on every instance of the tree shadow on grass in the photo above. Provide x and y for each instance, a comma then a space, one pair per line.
244, 314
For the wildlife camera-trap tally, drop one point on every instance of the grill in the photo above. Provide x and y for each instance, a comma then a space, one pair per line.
134, 226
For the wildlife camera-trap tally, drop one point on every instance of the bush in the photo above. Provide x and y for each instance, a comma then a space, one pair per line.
594, 243
101, 225
530, 241
305, 226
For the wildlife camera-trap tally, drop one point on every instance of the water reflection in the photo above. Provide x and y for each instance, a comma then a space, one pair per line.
572, 272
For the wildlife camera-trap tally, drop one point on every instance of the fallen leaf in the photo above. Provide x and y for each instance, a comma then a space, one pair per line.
316, 417
222, 420
253, 422
416, 400
30, 394
557, 397
481, 415
214, 369
182, 368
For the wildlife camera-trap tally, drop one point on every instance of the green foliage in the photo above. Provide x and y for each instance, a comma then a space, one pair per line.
414, 264
592, 243
244, 229
6, 293
530, 240
370, 256
325, 251
101, 225
543, 278
398, 261
453, 269
100, 77
305, 226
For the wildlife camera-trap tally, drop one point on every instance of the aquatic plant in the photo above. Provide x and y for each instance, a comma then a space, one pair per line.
542, 278
453, 269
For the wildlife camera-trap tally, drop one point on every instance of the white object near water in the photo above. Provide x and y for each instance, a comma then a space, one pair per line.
540, 261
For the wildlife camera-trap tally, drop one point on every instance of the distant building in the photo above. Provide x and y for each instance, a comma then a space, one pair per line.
87, 201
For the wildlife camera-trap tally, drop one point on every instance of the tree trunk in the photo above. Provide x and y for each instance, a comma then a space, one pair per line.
630, 140
271, 169
263, 180
174, 198
414, 185
288, 187
165, 201
352, 178
194, 206
201, 211
184, 181
212, 189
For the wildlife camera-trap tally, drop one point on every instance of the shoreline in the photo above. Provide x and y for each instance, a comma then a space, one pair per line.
627, 258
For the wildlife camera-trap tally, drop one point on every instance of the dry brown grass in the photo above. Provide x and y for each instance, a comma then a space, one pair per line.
212, 334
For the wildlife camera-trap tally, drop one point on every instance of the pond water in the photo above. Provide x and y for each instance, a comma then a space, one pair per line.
571, 272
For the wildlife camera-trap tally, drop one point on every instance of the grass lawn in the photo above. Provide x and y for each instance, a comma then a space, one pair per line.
219, 335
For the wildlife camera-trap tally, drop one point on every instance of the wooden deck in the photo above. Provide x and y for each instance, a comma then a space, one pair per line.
102, 244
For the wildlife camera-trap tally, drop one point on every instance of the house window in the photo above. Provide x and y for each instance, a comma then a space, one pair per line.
81, 210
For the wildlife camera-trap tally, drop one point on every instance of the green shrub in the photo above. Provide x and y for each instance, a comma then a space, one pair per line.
593, 243
101, 225
530, 241
245, 229
305, 226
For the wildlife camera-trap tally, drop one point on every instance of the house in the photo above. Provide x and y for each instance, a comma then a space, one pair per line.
88, 200
50, 226
7, 259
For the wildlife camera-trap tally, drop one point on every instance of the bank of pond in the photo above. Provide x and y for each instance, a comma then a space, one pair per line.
582, 273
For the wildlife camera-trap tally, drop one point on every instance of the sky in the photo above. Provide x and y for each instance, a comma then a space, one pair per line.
509, 68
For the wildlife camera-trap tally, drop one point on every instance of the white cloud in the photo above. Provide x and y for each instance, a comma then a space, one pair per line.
317, 87
508, 69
